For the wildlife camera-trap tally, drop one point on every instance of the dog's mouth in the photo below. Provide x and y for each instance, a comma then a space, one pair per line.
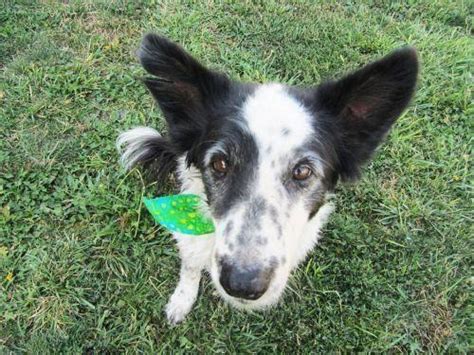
242, 301
269, 298
251, 294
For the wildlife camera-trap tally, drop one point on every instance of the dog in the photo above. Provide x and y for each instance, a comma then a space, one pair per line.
265, 158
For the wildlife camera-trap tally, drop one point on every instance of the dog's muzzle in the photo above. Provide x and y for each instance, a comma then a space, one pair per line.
248, 283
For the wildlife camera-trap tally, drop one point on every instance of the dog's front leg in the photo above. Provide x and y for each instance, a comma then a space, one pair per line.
185, 293
195, 253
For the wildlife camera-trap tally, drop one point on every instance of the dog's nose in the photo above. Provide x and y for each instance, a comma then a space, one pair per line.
248, 283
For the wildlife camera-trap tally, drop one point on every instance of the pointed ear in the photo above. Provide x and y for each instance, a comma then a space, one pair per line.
184, 89
364, 105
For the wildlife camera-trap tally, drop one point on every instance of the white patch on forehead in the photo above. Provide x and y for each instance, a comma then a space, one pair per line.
280, 125
276, 119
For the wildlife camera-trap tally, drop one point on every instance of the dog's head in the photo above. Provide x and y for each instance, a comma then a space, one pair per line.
267, 155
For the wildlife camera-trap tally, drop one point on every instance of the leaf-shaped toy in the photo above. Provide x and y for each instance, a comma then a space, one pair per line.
180, 213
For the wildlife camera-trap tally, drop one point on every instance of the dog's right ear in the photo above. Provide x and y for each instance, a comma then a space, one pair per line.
184, 89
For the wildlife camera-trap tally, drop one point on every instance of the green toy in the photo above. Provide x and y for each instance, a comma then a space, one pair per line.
179, 213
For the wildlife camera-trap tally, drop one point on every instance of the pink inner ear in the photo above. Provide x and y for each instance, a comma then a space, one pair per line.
359, 109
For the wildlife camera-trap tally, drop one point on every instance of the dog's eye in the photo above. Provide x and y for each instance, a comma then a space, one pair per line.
220, 165
301, 172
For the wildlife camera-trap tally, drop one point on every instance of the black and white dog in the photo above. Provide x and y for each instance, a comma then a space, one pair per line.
264, 157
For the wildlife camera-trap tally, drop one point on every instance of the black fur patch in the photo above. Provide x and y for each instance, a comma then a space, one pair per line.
200, 105
241, 153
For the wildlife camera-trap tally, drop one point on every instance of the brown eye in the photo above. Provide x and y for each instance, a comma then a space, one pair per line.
301, 172
220, 165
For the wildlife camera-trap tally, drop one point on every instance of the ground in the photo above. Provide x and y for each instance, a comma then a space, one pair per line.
84, 268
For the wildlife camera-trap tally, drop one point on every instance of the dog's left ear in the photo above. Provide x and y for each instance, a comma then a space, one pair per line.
363, 106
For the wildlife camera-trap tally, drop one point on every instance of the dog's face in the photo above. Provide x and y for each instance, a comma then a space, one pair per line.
265, 176
268, 155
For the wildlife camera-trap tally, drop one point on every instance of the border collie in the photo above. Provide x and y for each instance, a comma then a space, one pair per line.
265, 158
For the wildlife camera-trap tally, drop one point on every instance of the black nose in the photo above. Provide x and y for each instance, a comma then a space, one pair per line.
249, 283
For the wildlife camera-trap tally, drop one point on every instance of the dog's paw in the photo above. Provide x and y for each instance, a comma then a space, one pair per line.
184, 295
177, 309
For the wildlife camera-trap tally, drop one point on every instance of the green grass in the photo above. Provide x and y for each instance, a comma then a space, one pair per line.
84, 268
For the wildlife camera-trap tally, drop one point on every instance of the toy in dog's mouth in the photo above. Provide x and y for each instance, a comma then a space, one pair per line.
180, 213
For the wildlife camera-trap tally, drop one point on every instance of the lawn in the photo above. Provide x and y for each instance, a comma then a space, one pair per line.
84, 269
